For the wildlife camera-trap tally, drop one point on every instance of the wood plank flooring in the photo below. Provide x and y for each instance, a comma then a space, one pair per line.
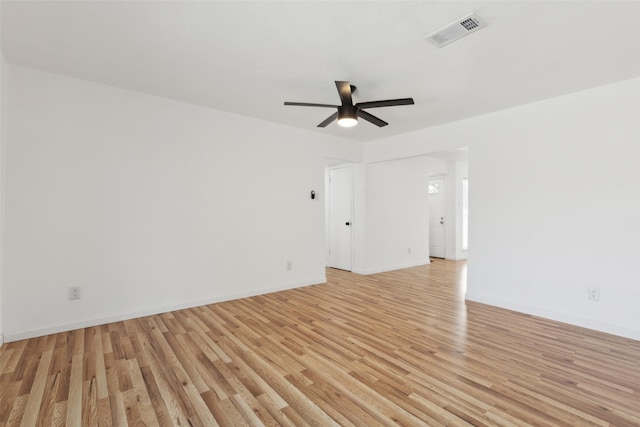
392, 348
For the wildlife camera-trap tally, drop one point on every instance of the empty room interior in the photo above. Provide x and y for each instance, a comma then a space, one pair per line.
320, 213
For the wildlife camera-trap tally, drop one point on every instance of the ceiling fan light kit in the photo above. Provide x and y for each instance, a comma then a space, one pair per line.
347, 116
347, 113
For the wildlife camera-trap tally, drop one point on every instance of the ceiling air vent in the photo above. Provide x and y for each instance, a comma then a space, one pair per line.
457, 30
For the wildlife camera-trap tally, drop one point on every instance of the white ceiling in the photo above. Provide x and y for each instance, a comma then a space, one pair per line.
248, 57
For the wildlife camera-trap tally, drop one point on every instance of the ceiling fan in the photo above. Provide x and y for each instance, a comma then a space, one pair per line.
349, 112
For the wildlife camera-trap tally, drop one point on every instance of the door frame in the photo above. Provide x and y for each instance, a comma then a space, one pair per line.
445, 216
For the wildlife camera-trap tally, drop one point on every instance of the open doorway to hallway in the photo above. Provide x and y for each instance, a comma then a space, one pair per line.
437, 214
448, 206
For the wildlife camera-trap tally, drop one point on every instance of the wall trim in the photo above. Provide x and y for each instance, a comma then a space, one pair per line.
558, 317
388, 268
22, 335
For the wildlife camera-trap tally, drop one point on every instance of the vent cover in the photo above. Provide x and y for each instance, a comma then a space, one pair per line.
457, 30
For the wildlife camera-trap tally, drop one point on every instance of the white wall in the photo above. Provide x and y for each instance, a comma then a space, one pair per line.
391, 213
3, 80
554, 204
453, 247
566, 215
150, 204
396, 216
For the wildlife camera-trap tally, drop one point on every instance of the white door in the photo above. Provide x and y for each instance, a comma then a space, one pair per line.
436, 217
340, 202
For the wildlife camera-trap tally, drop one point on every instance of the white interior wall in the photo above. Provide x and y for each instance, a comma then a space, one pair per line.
359, 223
3, 81
397, 215
567, 216
388, 213
150, 204
128, 196
327, 254
457, 172
554, 204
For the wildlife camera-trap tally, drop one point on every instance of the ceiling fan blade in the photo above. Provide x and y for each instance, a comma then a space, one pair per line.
371, 118
385, 103
328, 120
344, 89
307, 104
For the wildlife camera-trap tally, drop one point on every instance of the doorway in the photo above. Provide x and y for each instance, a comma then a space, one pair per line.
437, 199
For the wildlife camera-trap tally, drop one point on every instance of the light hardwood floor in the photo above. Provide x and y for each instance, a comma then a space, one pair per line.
392, 348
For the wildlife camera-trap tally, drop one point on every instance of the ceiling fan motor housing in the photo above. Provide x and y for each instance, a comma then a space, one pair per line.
347, 111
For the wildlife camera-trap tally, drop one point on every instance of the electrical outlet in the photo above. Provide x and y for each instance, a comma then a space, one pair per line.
74, 292
289, 266
409, 251
594, 294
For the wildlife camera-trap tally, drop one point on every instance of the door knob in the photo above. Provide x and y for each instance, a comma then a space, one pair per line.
347, 223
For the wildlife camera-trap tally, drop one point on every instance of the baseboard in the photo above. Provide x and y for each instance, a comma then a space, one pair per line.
22, 335
388, 268
558, 317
